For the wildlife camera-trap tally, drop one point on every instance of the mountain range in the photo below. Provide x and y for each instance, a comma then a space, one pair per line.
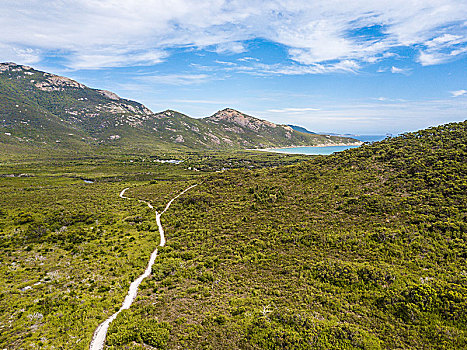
40, 109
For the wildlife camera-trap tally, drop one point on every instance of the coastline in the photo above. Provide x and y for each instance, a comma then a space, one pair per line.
274, 149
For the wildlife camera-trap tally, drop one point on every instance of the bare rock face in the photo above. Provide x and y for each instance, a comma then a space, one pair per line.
146, 110
214, 138
57, 83
109, 94
11, 66
242, 120
6, 66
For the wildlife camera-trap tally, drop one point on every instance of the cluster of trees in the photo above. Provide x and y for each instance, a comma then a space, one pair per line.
130, 327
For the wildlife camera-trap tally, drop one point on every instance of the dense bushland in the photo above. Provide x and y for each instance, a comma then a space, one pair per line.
364, 249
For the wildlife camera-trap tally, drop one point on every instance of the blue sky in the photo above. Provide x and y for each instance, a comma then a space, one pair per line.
352, 67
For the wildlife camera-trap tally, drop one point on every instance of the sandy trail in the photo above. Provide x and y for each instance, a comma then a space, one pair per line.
98, 339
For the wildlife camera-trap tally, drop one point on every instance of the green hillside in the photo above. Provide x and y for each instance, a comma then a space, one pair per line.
26, 121
363, 249
247, 131
39, 110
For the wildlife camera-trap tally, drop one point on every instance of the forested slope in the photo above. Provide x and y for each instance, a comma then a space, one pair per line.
364, 249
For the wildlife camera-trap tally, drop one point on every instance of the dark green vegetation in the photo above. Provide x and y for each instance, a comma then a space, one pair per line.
365, 249
42, 112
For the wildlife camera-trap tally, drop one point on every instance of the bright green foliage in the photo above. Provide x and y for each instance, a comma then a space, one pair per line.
128, 328
279, 331
447, 301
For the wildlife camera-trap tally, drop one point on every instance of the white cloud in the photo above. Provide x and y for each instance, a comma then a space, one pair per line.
225, 63
247, 59
397, 70
429, 59
230, 48
176, 79
443, 40
458, 51
386, 99
322, 33
442, 49
458, 93
18, 54
345, 66
292, 109
117, 59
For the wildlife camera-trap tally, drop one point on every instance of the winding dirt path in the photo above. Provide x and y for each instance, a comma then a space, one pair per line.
98, 339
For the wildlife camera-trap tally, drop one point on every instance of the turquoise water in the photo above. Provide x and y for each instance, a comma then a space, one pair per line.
314, 150
329, 149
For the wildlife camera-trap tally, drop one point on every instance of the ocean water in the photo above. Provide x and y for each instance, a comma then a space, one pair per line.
313, 150
329, 149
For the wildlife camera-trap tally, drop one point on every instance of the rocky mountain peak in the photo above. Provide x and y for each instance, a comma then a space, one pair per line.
11, 66
54, 82
168, 113
233, 116
109, 94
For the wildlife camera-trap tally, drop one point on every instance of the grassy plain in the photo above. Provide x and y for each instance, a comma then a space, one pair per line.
70, 248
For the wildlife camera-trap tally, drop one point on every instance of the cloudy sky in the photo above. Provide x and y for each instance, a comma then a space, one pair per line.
362, 66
